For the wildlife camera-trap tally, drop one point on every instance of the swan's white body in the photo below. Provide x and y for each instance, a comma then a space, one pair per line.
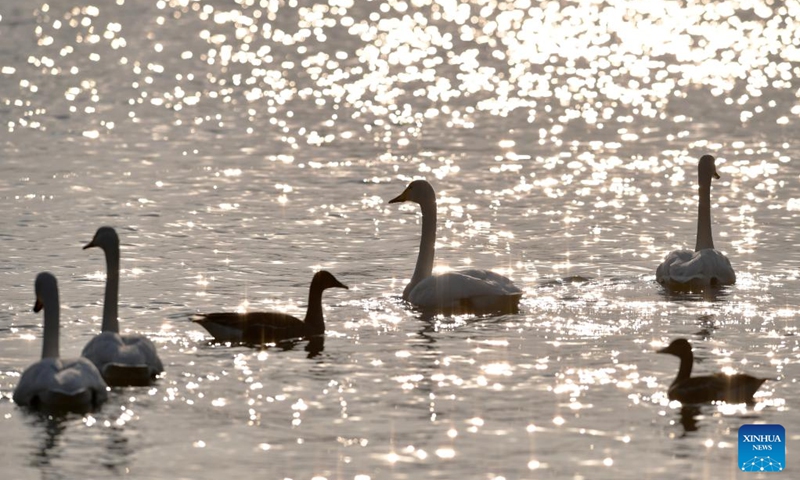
467, 291
705, 266
701, 268
53, 383
122, 359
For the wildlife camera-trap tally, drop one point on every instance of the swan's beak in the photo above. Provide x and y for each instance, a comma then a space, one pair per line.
38, 306
89, 245
716, 175
399, 198
341, 285
664, 350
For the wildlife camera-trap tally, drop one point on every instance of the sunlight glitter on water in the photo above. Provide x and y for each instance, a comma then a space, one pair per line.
562, 140
596, 78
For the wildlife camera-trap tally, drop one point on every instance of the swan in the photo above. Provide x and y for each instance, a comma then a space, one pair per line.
705, 266
738, 388
122, 359
466, 291
54, 383
256, 328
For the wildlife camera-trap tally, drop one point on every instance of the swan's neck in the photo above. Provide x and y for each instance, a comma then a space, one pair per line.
315, 324
704, 238
427, 244
110, 320
51, 314
685, 370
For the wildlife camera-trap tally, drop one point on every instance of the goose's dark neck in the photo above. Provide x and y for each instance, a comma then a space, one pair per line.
110, 320
704, 237
315, 323
685, 370
427, 247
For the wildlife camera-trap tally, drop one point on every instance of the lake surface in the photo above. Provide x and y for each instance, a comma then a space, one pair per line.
238, 147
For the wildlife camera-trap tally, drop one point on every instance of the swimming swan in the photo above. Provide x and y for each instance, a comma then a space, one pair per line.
467, 291
737, 388
122, 359
53, 383
272, 327
705, 266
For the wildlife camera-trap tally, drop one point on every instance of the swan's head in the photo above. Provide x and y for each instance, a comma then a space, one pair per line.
418, 191
105, 238
706, 170
45, 285
680, 348
325, 279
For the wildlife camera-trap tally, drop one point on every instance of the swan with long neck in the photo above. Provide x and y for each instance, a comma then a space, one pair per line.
256, 328
467, 291
54, 383
738, 388
705, 266
129, 359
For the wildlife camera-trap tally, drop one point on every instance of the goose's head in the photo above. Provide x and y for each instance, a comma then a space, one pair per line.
418, 191
324, 280
679, 347
105, 238
45, 285
706, 170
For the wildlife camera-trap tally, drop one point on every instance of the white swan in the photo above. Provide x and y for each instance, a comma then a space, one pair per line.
122, 359
53, 383
705, 266
467, 291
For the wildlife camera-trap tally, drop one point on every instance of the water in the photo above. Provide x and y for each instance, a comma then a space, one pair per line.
238, 148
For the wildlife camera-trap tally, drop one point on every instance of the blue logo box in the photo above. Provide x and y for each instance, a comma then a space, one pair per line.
762, 448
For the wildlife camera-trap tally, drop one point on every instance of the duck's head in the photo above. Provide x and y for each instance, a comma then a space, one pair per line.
679, 348
706, 169
325, 279
45, 284
418, 191
105, 238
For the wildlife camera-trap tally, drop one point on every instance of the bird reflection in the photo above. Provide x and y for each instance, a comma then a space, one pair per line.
50, 447
118, 450
427, 355
426, 333
315, 345
707, 294
437, 319
52, 428
690, 415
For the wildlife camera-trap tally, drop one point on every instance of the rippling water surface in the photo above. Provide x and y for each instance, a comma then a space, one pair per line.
240, 146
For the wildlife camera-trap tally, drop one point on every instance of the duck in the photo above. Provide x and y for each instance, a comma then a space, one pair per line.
738, 388
258, 328
124, 360
53, 383
705, 266
457, 292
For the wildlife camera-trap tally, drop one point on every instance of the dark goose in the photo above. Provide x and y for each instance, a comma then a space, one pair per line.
686, 389
271, 327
